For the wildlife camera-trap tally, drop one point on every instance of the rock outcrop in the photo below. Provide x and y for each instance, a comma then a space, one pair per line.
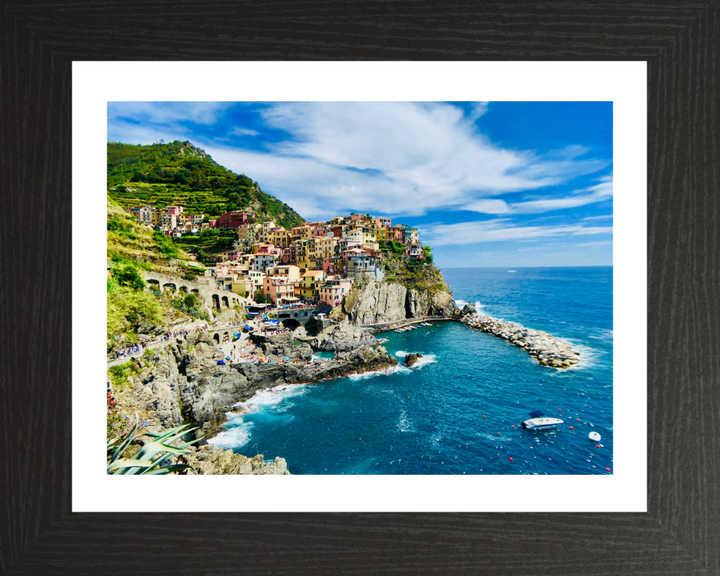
184, 383
422, 303
385, 302
342, 337
469, 308
211, 460
411, 359
376, 302
549, 350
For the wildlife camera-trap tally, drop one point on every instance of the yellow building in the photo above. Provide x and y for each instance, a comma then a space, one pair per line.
307, 288
300, 233
325, 247
289, 271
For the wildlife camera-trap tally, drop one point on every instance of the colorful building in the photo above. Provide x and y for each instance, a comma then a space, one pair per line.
334, 290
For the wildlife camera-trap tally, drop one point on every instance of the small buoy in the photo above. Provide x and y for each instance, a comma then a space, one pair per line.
483, 415
571, 428
578, 419
608, 469
513, 425
559, 409
597, 445
594, 436
498, 433
510, 459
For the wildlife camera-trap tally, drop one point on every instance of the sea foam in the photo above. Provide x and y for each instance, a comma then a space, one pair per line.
237, 431
424, 361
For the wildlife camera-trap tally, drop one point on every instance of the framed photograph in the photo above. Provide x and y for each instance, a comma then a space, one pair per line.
337, 282
393, 291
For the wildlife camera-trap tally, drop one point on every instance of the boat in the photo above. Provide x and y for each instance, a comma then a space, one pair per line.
537, 422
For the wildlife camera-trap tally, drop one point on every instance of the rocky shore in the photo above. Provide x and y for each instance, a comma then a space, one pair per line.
547, 349
183, 383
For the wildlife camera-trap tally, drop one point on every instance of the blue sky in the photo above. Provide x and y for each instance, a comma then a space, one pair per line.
486, 183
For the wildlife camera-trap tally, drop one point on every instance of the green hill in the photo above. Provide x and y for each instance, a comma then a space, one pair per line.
179, 173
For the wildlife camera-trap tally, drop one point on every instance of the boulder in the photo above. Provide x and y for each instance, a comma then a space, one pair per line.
210, 460
410, 360
469, 308
343, 336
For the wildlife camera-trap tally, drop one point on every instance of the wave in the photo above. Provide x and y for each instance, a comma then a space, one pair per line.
460, 303
234, 437
405, 425
382, 372
424, 361
237, 431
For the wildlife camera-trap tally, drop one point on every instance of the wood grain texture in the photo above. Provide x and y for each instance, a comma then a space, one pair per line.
681, 532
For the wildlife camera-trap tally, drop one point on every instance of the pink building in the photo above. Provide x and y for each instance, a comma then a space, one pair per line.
413, 251
278, 288
172, 210
271, 250
333, 291
233, 219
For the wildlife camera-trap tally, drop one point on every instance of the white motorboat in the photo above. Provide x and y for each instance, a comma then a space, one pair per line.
538, 423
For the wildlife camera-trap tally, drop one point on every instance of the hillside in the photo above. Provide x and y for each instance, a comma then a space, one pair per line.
129, 241
179, 173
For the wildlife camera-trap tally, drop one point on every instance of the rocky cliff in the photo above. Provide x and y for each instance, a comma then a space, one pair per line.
375, 302
342, 337
421, 303
386, 302
183, 382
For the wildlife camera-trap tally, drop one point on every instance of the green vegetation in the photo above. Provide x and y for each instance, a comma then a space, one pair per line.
129, 277
178, 173
189, 304
418, 274
131, 243
209, 241
150, 455
127, 308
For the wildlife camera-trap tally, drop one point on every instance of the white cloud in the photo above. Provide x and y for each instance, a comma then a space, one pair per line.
591, 195
498, 231
398, 158
167, 112
600, 243
237, 131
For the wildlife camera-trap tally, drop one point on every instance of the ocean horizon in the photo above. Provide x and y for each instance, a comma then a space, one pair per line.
458, 410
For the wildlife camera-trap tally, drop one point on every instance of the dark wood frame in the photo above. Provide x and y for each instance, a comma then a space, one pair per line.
680, 534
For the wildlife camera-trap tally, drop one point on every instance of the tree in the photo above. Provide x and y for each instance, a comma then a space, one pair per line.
427, 253
129, 276
259, 297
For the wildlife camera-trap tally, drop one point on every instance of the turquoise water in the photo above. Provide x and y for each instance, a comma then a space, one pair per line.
454, 412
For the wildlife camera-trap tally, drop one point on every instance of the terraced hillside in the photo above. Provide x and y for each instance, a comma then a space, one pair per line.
130, 242
179, 173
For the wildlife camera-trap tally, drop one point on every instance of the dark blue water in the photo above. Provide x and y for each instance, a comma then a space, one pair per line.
454, 412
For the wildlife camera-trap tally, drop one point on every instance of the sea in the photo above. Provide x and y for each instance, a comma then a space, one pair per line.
459, 409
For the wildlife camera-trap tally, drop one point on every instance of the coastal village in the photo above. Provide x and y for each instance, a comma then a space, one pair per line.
315, 263
208, 307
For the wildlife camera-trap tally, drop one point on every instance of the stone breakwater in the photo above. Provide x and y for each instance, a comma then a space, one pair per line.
548, 350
